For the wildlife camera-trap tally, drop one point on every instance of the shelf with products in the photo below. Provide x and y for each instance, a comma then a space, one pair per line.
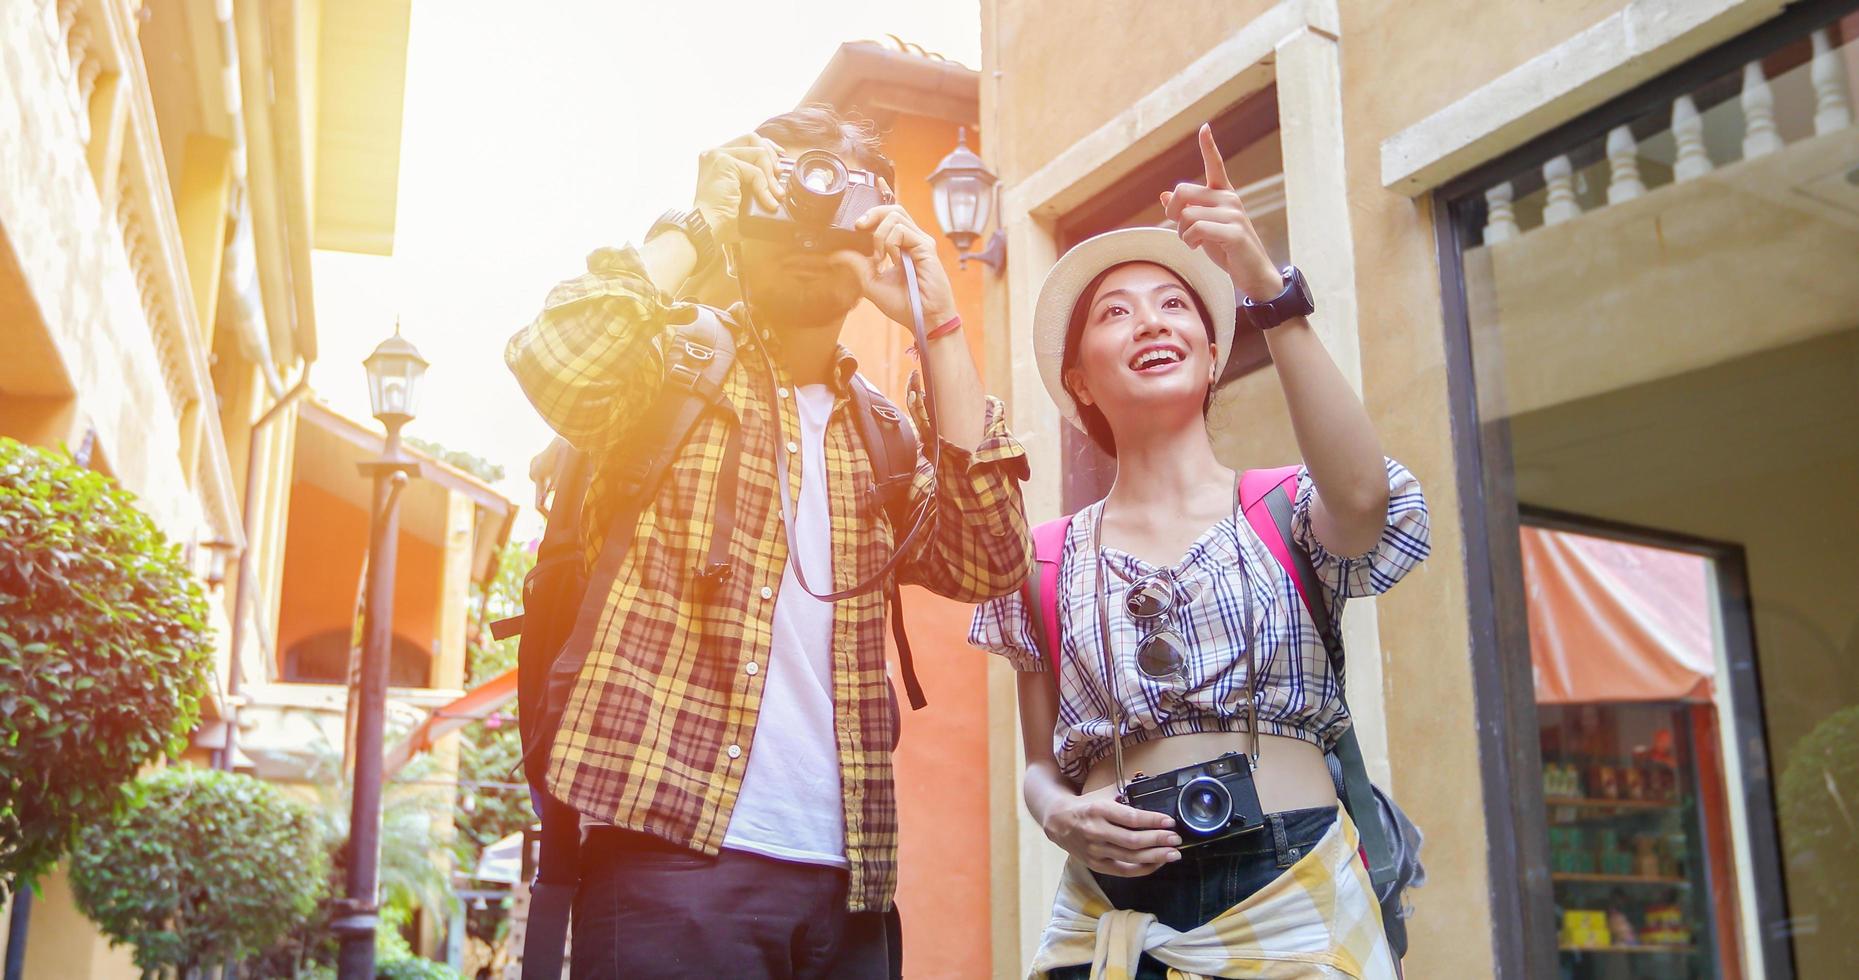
1600, 804
1626, 851
1569, 877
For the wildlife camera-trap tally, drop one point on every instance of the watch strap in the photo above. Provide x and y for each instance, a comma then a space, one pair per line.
1293, 301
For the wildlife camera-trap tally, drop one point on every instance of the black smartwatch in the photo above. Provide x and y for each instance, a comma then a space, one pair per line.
696, 230
1295, 301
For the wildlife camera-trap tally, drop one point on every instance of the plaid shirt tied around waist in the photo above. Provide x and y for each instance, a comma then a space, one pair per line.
657, 733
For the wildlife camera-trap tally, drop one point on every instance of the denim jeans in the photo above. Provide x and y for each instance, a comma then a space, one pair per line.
649, 909
1211, 878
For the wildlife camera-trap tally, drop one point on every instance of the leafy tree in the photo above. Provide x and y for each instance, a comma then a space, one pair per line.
471, 463
488, 810
104, 652
410, 874
1820, 817
203, 866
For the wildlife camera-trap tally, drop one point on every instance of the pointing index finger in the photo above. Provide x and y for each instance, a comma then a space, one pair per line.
1211, 159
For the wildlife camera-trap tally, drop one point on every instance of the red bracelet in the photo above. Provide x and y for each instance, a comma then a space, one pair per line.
954, 324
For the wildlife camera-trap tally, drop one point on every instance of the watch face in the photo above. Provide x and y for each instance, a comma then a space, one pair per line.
1299, 302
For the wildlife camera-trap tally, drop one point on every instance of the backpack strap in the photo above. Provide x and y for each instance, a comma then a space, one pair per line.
700, 356
892, 448
699, 359
1266, 498
1040, 594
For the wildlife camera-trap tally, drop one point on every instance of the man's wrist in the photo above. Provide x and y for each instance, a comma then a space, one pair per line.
944, 326
694, 229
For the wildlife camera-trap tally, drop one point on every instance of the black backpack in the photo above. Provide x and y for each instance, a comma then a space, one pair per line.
563, 599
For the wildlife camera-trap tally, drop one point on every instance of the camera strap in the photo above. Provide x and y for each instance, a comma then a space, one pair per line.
1117, 713
919, 522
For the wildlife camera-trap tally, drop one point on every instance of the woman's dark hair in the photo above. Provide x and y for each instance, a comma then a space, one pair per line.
1095, 425
854, 138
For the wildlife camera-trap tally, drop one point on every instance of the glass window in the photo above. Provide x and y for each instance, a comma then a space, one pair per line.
1663, 321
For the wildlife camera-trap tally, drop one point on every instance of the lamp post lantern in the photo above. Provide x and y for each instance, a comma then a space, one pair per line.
962, 188
395, 370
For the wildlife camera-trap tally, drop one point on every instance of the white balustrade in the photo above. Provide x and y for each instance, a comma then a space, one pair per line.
1831, 111
1500, 220
1623, 166
1562, 206
1688, 132
1759, 134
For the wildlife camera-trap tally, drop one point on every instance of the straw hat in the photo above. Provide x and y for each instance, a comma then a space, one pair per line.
1075, 270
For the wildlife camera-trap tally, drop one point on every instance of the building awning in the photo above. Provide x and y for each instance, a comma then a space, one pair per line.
1612, 621
329, 447
477, 704
882, 81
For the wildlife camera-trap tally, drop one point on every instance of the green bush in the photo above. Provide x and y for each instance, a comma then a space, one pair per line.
203, 866
104, 652
394, 958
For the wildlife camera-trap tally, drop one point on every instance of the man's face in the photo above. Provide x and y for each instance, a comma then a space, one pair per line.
791, 286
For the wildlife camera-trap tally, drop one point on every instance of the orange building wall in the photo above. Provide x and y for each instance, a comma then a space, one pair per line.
942, 761
322, 565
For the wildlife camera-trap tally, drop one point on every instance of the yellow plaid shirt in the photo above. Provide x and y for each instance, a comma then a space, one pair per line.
657, 733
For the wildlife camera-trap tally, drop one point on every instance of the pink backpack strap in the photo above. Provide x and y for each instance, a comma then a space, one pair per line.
1041, 591
1254, 487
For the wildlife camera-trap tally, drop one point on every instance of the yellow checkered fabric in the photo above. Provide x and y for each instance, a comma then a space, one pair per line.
1317, 919
657, 733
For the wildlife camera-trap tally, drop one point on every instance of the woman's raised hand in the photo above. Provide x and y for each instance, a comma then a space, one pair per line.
1111, 838
1210, 216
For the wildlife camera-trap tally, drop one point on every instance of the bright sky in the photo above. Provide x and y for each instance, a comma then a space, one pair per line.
537, 132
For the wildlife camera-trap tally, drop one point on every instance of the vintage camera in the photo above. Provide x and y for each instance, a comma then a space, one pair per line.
821, 199
1210, 802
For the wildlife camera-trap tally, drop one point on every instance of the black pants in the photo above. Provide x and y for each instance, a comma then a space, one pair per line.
647, 909
1211, 878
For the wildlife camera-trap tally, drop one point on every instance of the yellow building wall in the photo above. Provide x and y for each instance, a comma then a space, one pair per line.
62, 943
1055, 71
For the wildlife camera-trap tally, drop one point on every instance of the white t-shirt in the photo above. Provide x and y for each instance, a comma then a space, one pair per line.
790, 807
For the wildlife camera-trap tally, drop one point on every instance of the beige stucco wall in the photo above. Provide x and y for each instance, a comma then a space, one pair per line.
1055, 72
62, 943
75, 297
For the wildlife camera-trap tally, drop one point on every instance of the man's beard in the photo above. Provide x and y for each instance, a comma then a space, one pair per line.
781, 298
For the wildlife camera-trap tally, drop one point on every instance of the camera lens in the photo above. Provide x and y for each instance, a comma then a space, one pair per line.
1205, 805
816, 185
817, 177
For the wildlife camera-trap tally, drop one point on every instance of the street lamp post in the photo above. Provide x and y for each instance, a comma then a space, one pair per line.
394, 373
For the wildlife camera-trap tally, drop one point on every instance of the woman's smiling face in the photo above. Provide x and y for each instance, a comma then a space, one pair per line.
1144, 351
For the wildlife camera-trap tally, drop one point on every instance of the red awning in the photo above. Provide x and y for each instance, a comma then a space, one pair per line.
1611, 621
476, 705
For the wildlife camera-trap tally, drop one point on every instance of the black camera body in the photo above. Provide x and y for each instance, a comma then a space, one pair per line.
820, 202
1212, 801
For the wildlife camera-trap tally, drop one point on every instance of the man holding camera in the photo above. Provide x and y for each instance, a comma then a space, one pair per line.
727, 739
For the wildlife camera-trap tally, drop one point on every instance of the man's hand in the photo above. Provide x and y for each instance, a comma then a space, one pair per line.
724, 172
895, 234
1212, 218
542, 471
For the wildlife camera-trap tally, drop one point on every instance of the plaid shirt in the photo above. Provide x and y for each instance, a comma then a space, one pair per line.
1299, 695
657, 733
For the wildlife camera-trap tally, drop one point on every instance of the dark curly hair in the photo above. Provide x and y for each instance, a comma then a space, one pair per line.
1095, 425
854, 138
